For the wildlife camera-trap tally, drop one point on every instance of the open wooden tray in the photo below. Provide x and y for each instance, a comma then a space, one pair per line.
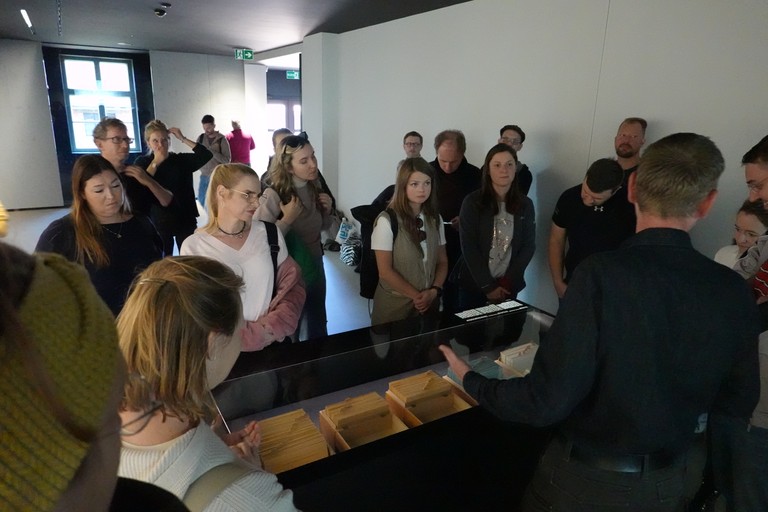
290, 440
357, 421
425, 397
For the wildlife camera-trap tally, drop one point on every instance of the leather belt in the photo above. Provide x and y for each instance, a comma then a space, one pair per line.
618, 463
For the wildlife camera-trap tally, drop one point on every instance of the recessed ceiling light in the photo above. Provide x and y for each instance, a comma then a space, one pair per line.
27, 20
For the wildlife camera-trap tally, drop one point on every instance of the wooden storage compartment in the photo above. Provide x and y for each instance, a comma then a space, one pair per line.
423, 398
290, 440
517, 361
357, 421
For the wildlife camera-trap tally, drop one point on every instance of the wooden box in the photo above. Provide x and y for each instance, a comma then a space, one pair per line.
357, 421
517, 361
290, 440
424, 397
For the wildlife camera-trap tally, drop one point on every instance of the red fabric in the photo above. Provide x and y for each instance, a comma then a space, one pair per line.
760, 283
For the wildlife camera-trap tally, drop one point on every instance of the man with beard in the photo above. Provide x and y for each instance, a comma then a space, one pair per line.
629, 139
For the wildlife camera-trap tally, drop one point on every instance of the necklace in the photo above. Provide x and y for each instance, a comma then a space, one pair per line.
238, 234
117, 235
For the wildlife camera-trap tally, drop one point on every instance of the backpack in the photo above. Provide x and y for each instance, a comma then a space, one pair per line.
369, 273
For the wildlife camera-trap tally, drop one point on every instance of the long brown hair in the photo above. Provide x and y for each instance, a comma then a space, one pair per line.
89, 235
279, 171
400, 203
513, 199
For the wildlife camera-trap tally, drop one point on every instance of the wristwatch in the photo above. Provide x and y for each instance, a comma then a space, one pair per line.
438, 289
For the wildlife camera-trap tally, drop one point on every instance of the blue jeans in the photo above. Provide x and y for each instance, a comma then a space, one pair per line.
203, 188
314, 322
563, 484
740, 463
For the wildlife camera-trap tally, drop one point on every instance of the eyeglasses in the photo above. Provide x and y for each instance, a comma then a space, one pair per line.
757, 187
136, 425
251, 197
118, 140
510, 141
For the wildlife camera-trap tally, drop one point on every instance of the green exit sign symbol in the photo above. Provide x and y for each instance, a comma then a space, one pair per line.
291, 75
243, 54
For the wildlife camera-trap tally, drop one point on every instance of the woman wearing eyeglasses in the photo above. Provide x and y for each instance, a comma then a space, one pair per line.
274, 294
413, 264
180, 335
296, 203
173, 171
497, 232
101, 233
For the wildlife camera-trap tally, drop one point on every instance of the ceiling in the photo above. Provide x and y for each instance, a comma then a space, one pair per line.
197, 26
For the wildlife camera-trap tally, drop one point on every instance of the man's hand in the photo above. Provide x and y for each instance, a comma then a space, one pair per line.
424, 300
455, 223
459, 367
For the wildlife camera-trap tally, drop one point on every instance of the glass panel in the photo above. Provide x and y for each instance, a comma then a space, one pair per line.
297, 118
84, 115
114, 76
275, 116
80, 74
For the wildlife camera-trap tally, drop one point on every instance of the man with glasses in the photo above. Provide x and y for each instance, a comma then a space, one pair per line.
111, 138
592, 217
514, 136
740, 447
412, 143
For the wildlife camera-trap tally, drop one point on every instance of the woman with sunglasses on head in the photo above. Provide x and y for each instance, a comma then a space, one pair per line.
413, 264
498, 234
173, 171
274, 294
296, 203
101, 233
180, 335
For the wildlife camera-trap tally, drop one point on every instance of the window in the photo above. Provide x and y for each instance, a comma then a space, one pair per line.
95, 88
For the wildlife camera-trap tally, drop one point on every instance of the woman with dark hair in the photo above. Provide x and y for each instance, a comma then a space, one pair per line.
498, 234
101, 233
173, 171
295, 201
413, 264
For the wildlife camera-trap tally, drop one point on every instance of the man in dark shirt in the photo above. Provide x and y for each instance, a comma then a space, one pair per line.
455, 179
591, 217
648, 337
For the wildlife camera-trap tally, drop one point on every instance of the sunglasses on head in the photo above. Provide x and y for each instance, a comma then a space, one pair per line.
293, 141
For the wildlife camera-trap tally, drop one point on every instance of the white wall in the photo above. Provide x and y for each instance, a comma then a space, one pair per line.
566, 75
29, 174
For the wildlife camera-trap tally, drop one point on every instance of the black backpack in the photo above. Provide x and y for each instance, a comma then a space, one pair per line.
369, 273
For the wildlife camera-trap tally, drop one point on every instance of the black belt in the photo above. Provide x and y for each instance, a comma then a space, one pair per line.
618, 463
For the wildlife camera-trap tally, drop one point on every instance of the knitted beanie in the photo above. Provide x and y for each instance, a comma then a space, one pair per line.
74, 334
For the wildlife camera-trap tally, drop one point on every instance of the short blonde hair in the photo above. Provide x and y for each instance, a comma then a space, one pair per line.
153, 126
164, 327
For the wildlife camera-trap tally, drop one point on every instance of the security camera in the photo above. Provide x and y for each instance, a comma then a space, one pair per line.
160, 12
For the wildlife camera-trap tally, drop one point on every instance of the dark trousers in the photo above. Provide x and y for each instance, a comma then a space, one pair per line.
561, 483
740, 463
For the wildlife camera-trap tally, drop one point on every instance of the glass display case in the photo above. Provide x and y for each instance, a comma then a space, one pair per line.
467, 460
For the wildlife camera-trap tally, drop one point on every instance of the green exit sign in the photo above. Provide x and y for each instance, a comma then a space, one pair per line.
243, 54
291, 75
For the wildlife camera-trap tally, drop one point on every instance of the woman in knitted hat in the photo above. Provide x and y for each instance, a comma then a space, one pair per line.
180, 334
101, 233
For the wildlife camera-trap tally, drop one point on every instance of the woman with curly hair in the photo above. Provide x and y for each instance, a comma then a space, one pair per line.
296, 203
